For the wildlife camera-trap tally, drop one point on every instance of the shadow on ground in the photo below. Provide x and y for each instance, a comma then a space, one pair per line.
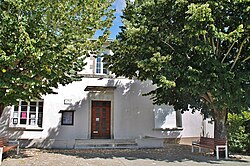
172, 153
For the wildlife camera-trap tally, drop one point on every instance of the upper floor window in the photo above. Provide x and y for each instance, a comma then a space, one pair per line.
99, 67
27, 114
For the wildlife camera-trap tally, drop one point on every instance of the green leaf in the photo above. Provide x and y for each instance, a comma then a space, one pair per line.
41, 41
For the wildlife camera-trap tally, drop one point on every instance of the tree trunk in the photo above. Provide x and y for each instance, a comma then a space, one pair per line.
1, 108
220, 130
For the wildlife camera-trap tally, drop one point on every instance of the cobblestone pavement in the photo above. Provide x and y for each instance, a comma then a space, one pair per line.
170, 155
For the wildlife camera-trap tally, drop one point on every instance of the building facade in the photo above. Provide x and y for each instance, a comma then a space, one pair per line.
100, 110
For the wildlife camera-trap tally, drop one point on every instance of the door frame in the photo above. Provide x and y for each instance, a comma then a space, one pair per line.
101, 96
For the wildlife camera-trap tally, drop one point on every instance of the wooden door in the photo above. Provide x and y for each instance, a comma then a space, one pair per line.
100, 119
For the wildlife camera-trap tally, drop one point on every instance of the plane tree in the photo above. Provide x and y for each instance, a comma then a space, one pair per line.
196, 52
43, 43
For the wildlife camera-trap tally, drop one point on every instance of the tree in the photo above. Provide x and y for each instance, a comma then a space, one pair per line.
196, 52
43, 43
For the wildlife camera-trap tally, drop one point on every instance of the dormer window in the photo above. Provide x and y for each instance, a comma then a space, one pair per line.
100, 69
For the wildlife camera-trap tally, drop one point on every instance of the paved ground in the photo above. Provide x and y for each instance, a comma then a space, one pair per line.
171, 155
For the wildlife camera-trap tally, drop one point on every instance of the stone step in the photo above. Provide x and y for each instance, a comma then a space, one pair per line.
104, 143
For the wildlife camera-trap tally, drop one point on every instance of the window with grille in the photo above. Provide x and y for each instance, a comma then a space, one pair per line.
28, 114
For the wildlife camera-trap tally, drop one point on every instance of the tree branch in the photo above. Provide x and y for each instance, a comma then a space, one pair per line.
168, 45
208, 97
217, 46
204, 37
205, 98
213, 45
228, 52
238, 55
246, 59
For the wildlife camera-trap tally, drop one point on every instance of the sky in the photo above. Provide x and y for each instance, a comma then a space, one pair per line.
118, 5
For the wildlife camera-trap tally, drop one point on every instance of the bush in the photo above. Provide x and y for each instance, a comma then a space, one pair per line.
238, 132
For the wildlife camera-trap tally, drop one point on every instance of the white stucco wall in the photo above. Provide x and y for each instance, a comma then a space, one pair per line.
132, 114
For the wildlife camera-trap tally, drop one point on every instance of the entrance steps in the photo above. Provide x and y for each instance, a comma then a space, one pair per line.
105, 143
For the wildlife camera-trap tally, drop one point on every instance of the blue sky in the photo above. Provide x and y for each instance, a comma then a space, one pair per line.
118, 5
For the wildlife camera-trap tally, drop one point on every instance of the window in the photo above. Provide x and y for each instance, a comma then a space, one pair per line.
28, 114
67, 117
166, 117
100, 66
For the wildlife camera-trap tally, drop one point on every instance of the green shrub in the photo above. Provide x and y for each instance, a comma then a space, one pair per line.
238, 132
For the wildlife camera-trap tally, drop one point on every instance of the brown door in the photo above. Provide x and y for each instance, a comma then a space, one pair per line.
100, 121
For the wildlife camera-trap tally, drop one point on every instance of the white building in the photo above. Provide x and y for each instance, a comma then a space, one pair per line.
100, 111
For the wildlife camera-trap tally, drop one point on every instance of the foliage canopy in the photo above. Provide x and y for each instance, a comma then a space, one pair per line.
239, 132
43, 43
196, 52
187, 48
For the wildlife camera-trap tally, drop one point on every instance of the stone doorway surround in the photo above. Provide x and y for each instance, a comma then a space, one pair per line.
101, 93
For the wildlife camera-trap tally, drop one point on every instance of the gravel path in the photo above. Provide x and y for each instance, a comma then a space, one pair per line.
171, 155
